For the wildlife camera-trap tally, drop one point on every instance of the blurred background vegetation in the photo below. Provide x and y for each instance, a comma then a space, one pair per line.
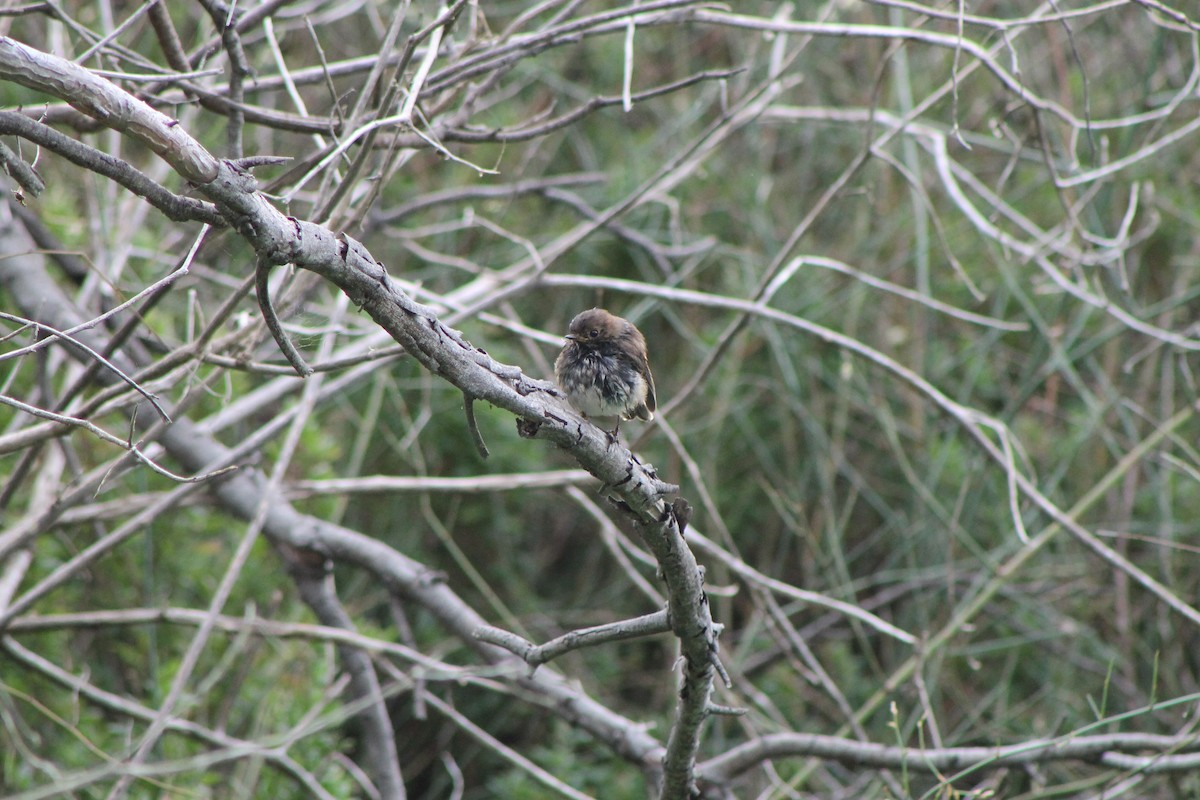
1028, 248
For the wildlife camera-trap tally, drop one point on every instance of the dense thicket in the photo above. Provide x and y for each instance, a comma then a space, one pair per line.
920, 286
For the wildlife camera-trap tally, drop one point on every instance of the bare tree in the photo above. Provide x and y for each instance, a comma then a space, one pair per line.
917, 284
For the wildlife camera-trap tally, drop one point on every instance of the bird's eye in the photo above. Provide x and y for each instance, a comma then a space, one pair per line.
593, 333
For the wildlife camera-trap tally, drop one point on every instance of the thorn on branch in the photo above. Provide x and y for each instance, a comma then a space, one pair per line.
715, 660
563, 422
526, 386
262, 271
251, 162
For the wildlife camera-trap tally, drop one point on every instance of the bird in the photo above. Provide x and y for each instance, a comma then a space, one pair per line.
604, 370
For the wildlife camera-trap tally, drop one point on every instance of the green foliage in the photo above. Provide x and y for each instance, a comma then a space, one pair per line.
574, 758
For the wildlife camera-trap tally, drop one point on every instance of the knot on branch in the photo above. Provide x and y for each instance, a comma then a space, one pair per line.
528, 428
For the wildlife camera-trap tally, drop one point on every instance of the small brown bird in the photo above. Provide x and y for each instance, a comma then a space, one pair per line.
604, 370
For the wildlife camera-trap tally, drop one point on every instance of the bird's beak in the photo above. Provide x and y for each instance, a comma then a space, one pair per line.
570, 337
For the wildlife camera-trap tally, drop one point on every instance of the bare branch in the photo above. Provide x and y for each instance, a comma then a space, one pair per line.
473, 426
507, 752
1106, 748
110, 105
262, 272
38, 328
316, 587
175, 207
536, 655
21, 172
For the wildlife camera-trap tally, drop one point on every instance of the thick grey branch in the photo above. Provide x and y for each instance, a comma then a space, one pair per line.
691, 621
109, 104
379, 743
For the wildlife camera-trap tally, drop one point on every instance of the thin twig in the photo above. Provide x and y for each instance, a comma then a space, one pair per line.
262, 289
100, 433
225, 19
118, 704
503, 750
536, 655
1110, 749
174, 206
473, 426
94, 355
